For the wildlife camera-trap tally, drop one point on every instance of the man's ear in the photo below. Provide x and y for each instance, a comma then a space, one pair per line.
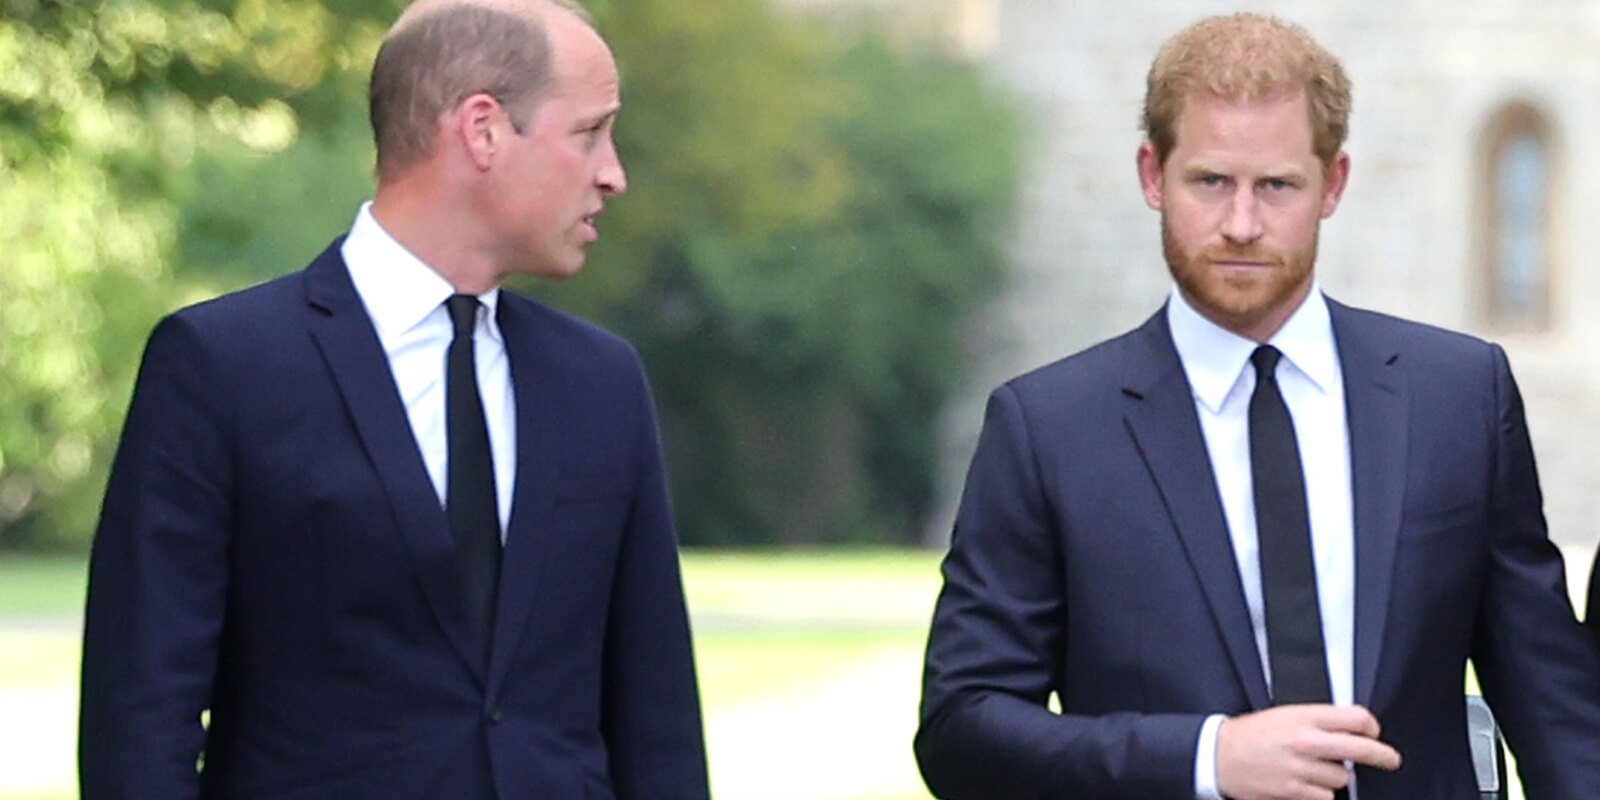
1334, 180
1150, 177
472, 124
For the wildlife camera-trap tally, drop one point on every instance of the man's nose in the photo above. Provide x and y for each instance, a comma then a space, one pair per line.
1243, 224
611, 177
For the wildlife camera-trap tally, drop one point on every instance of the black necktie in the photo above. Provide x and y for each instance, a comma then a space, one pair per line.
1288, 573
470, 491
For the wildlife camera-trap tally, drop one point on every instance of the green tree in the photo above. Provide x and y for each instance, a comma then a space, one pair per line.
102, 110
811, 221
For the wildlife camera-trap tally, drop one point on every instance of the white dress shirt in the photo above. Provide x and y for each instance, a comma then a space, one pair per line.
405, 299
1217, 364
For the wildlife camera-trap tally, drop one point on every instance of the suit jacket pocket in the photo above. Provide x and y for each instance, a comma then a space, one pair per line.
1440, 552
1442, 517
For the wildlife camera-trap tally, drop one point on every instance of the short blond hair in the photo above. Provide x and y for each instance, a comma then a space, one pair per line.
1247, 57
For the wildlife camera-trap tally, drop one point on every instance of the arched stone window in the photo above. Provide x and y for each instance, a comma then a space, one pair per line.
1517, 257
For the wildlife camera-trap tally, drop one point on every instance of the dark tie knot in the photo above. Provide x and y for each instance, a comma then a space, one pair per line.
463, 310
1265, 359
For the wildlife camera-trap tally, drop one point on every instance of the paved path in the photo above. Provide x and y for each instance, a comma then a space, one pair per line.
38, 723
848, 738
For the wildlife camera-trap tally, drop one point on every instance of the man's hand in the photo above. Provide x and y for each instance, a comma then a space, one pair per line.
1297, 752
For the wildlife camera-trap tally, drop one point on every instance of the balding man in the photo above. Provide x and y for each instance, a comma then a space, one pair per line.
379, 529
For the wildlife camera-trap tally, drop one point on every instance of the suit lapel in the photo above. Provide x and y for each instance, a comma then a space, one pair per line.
533, 498
1166, 430
1375, 406
349, 344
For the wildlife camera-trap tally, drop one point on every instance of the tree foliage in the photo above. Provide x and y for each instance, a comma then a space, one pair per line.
104, 107
802, 355
810, 222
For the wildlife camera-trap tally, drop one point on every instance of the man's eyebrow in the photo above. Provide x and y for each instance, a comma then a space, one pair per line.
602, 114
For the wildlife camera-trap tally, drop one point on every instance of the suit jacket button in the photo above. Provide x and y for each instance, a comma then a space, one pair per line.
495, 716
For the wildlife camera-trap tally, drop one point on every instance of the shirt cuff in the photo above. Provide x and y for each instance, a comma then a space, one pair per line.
1205, 759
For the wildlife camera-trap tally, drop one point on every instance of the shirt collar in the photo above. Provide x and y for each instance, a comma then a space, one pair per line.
1214, 358
398, 289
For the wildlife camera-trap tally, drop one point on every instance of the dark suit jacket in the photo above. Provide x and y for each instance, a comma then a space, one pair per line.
1091, 559
1591, 616
271, 549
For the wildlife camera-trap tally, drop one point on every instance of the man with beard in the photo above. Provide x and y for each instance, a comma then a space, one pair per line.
1249, 547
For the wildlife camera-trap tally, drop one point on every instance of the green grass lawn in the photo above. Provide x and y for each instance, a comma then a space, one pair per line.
32, 585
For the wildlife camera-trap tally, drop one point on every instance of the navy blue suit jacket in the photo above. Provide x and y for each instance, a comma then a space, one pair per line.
1592, 614
271, 550
1091, 560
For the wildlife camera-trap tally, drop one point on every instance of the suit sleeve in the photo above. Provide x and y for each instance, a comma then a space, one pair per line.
157, 582
651, 707
1539, 670
993, 655
1591, 616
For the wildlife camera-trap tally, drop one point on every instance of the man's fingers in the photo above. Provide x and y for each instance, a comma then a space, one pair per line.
1357, 730
1330, 775
1376, 754
1346, 719
1297, 751
1356, 749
